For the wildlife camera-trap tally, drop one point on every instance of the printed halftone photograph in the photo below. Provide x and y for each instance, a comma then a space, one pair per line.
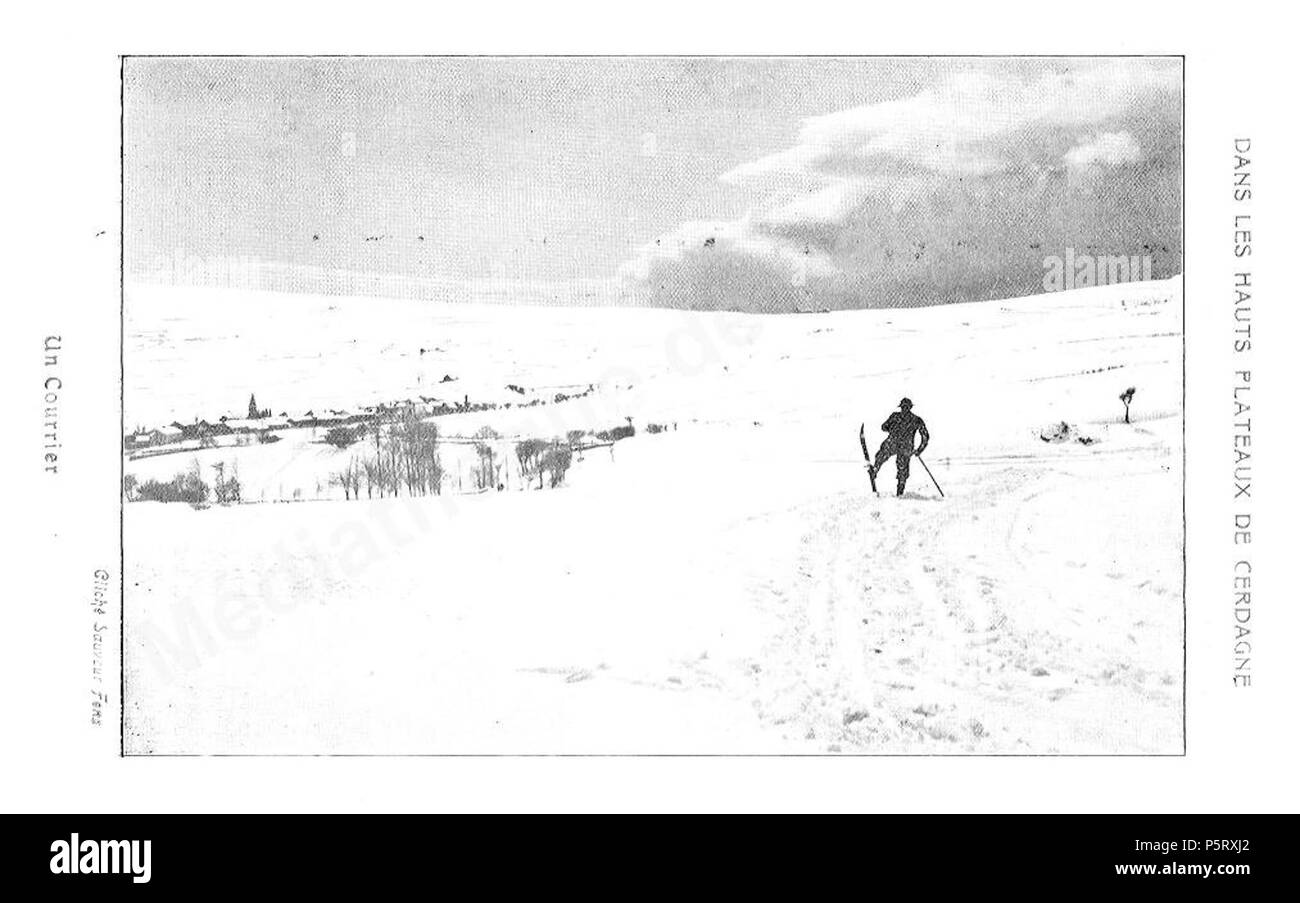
653, 405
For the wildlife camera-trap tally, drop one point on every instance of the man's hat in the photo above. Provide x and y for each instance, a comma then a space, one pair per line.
905, 403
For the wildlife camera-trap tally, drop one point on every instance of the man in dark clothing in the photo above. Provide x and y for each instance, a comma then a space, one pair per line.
902, 427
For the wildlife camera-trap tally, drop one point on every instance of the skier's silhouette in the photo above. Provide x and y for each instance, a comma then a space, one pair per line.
902, 426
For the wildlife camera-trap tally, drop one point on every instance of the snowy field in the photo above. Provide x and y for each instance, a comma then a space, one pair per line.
728, 585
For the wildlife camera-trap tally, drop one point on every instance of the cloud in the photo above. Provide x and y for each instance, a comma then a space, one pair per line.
724, 265
1108, 149
942, 194
975, 123
717, 238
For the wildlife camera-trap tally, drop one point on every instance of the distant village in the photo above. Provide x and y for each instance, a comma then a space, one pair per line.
261, 425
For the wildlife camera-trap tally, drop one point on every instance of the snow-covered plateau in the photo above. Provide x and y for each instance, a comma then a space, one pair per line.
725, 584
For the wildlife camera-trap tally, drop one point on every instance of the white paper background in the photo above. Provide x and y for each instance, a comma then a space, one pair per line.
60, 155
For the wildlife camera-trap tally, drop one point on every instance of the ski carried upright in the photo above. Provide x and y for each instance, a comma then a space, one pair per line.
871, 471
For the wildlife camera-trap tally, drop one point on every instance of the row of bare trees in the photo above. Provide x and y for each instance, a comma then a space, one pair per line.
188, 486
539, 459
402, 456
546, 461
405, 456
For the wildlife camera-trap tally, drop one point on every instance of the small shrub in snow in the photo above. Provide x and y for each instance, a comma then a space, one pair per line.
1064, 432
185, 487
616, 433
226, 489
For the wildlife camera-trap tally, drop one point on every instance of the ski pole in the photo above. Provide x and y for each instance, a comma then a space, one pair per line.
932, 479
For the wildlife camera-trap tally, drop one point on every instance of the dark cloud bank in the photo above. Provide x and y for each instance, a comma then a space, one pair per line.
959, 193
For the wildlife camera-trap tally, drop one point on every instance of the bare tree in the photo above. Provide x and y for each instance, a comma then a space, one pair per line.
225, 489
370, 470
488, 472
1127, 397
349, 477
413, 454
529, 452
406, 456
556, 460
376, 471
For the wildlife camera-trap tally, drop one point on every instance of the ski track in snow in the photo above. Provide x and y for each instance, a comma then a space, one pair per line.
907, 611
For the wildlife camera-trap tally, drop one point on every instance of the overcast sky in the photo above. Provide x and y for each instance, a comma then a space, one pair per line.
753, 183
